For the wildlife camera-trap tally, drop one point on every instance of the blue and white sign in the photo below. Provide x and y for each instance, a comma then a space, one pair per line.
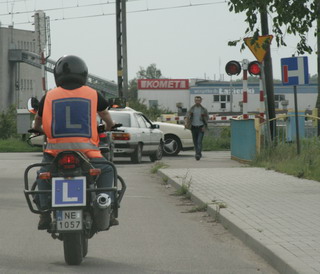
295, 71
71, 117
68, 192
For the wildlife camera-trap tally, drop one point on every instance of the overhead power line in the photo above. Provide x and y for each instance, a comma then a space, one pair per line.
179, 7
128, 12
12, 1
63, 8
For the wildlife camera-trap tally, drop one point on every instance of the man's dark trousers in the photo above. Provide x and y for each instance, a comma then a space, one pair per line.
197, 136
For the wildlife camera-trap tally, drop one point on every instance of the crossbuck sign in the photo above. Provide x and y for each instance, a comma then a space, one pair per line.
295, 71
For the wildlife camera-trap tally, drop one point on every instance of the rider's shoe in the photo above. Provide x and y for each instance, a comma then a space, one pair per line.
45, 221
113, 221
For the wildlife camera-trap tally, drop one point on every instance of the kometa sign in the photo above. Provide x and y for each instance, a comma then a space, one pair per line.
163, 84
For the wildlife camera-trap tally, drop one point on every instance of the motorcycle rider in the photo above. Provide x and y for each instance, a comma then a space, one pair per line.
68, 116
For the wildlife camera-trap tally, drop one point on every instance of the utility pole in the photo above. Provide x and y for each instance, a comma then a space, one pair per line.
122, 61
318, 62
268, 72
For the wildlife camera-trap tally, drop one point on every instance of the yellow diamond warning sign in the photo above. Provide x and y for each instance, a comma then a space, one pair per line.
259, 47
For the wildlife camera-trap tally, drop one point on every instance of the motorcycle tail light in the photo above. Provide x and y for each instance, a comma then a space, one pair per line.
121, 136
102, 135
45, 175
94, 171
69, 161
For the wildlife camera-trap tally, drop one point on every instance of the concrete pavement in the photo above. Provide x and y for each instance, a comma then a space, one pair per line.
277, 215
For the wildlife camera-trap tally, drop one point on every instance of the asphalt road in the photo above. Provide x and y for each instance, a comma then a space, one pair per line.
157, 233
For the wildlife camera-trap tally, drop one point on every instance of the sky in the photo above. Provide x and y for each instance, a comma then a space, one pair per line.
186, 39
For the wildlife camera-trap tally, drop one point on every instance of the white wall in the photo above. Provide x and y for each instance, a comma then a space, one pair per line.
166, 98
169, 98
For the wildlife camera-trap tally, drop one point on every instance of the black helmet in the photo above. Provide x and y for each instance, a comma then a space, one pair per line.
70, 69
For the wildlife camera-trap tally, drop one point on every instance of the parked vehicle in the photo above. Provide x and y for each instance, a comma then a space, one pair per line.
137, 137
36, 140
176, 138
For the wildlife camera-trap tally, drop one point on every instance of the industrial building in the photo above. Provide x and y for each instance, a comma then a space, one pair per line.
18, 80
220, 97
24, 61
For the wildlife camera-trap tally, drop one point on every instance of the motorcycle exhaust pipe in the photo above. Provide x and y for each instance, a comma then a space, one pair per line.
103, 200
102, 211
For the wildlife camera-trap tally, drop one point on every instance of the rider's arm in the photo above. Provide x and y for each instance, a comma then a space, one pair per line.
106, 117
38, 118
103, 112
38, 123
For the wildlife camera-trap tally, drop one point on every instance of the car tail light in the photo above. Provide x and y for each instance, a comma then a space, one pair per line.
69, 161
121, 136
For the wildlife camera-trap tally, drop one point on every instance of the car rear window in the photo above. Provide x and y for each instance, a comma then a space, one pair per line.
122, 118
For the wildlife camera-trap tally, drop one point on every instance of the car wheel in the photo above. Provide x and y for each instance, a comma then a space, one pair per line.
136, 157
158, 154
109, 155
172, 145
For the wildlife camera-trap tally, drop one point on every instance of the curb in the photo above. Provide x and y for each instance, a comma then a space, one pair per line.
275, 255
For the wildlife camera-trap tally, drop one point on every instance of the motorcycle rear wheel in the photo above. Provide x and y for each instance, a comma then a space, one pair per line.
84, 239
73, 248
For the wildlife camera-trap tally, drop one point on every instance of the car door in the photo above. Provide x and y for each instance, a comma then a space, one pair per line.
155, 134
144, 131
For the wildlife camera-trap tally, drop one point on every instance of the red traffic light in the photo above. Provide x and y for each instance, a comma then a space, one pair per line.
254, 68
233, 68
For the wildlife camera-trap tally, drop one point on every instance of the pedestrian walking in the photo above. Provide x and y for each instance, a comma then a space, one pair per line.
197, 121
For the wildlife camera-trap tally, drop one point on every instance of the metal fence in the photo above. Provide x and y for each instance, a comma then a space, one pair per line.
284, 129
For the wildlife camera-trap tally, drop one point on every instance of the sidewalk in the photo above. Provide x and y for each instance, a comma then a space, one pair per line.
277, 215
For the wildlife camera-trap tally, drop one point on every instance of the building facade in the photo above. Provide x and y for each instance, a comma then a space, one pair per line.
224, 97
18, 81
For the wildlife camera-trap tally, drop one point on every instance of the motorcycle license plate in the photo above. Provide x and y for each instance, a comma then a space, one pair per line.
69, 220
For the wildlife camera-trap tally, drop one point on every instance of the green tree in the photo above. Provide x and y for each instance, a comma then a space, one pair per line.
8, 123
133, 89
294, 17
288, 17
151, 72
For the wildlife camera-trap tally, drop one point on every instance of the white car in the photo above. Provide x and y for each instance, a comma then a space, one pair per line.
176, 138
138, 136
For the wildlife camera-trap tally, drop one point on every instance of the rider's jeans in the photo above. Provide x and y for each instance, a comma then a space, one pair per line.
105, 179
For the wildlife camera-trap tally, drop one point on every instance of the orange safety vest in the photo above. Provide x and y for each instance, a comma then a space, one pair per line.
69, 121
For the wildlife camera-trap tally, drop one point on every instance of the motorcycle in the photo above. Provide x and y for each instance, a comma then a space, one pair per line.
79, 208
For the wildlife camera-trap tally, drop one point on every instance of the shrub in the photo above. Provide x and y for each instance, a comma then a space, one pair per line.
152, 113
8, 123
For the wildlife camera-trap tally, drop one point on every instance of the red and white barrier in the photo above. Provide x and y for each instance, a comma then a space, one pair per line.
245, 94
261, 110
211, 118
